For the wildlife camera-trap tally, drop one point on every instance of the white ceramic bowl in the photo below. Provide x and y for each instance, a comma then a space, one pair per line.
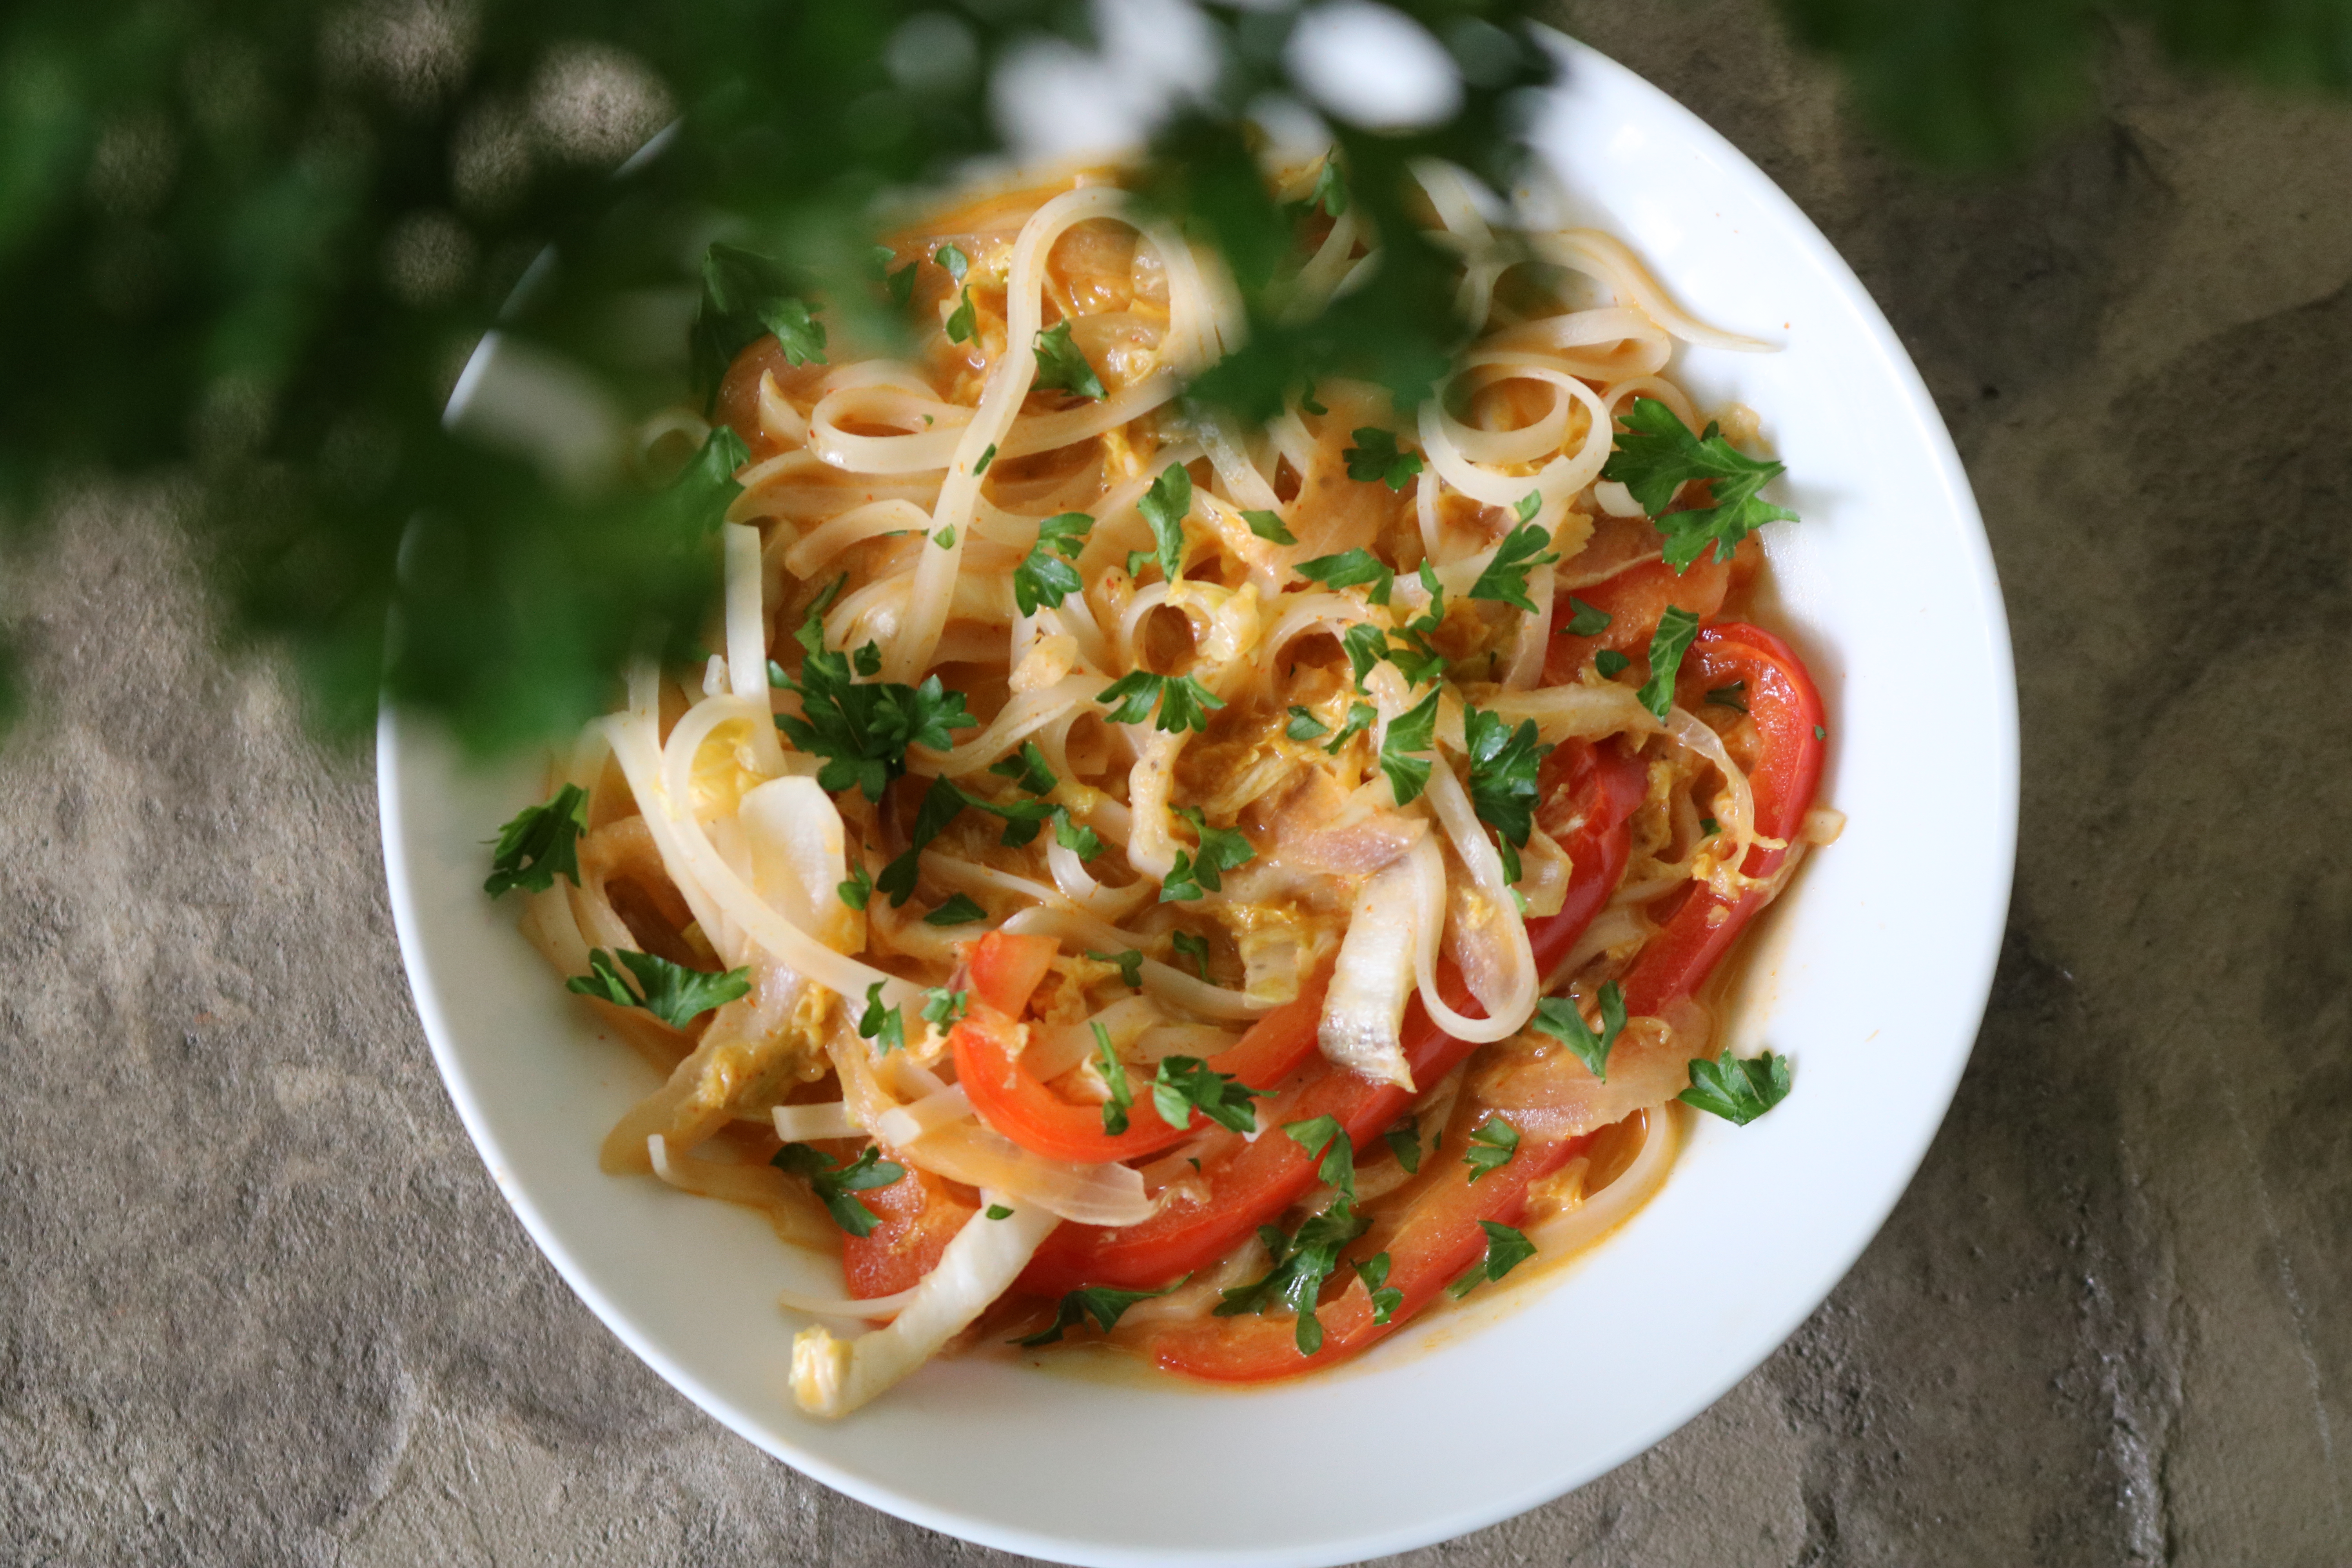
1872, 984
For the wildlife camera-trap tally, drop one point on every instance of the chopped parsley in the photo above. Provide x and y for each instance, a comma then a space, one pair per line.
1731, 696
1163, 507
1527, 506
1676, 629
1195, 948
1506, 1250
1414, 729
1491, 1147
1083, 842
1361, 716
1222, 849
1505, 764
1267, 525
1128, 963
858, 887
1062, 366
1559, 1017
1045, 575
1374, 1272
1350, 569
1100, 1302
1739, 1089
1184, 703
835, 1182
1609, 663
999, 1210
744, 296
1186, 1084
1657, 455
1304, 726
1404, 1143
885, 1026
1301, 1264
944, 1008
1587, 622
987, 456
1819, 734
944, 539
1028, 768
1375, 458
961, 323
671, 992
1366, 645
862, 728
539, 843
900, 282
958, 910
1505, 580
1331, 194
1114, 1077
1709, 828
1326, 1141
940, 803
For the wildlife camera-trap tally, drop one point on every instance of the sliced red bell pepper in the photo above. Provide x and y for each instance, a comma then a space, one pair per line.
1439, 1241
1250, 1184
1787, 711
1441, 1236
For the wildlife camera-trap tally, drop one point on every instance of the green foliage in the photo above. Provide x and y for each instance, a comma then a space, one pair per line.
250, 243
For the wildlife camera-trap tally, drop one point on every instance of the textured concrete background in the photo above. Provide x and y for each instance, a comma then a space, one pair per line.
259, 1304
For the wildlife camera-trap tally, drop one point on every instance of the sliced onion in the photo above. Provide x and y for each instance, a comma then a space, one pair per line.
1393, 921
799, 854
807, 1124
1500, 968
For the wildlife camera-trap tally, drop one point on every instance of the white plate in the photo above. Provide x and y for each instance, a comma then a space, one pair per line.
1873, 976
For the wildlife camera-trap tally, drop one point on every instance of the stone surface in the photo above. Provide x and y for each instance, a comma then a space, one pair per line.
261, 1305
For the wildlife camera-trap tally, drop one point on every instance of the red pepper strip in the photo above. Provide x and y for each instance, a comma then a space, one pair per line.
1439, 1241
1258, 1180
1006, 969
1787, 711
1009, 1099
1633, 600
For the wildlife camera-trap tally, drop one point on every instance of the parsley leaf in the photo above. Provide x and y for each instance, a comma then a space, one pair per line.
1491, 1147
1731, 696
1559, 1017
1350, 569
1267, 525
1587, 622
1609, 663
954, 261
1083, 842
958, 910
1195, 948
862, 728
1041, 579
1506, 1250
1657, 455
1374, 1272
671, 992
885, 1026
1739, 1089
963, 320
1330, 192
1114, 1075
858, 887
1361, 716
1028, 768
940, 803
945, 540
999, 1210
1366, 646
1163, 506
744, 296
1222, 849
901, 283
1062, 366
1322, 1137
987, 456
1301, 1264
1709, 828
1414, 729
1304, 726
1505, 580
1128, 963
1100, 1302
540, 843
1374, 457
1505, 764
833, 1182
1676, 629
1527, 506
945, 1008
1404, 1143
1182, 701
1186, 1084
